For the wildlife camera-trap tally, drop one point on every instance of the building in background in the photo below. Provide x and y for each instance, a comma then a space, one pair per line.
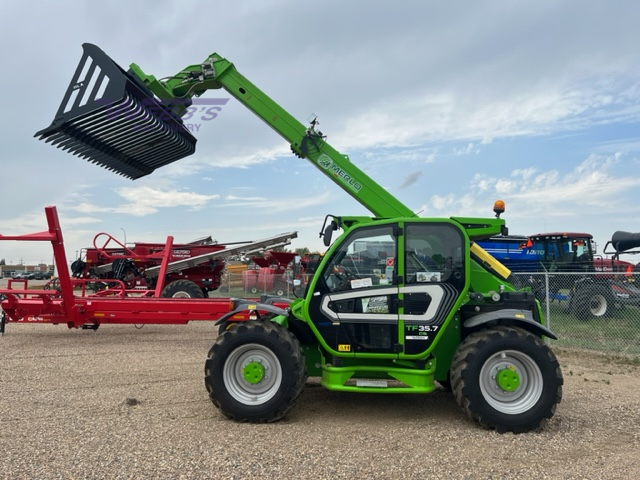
41, 271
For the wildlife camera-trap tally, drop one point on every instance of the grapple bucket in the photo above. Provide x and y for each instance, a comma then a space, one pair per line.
112, 119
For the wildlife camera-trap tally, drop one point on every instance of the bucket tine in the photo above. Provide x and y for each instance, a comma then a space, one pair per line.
110, 118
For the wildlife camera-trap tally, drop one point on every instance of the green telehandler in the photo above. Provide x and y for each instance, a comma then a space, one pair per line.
398, 304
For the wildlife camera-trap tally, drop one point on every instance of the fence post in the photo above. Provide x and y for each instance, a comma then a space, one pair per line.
547, 303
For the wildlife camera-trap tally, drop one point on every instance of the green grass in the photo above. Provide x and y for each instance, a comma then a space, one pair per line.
619, 333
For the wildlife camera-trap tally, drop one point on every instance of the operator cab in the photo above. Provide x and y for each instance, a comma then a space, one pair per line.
387, 287
564, 252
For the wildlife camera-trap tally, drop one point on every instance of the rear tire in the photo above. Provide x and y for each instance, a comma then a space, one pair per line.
182, 289
594, 301
255, 372
507, 379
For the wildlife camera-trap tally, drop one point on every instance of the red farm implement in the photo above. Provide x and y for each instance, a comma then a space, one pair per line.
194, 269
273, 273
74, 302
279, 273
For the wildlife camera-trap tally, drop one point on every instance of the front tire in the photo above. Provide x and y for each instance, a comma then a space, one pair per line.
507, 379
182, 289
255, 372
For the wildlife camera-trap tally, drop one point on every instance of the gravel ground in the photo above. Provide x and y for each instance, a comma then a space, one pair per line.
130, 403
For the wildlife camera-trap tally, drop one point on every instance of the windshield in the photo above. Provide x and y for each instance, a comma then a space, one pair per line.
563, 250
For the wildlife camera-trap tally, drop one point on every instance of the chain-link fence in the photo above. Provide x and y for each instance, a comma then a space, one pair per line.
255, 283
586, 311
594, 311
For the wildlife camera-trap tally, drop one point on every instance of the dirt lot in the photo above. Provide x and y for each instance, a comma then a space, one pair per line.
130, 403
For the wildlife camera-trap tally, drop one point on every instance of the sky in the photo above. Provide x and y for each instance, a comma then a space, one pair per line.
447, 105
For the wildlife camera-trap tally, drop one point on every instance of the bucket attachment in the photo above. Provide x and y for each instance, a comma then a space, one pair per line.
111, 118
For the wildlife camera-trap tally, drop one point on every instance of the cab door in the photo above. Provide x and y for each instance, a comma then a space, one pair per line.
434, 277
354, 304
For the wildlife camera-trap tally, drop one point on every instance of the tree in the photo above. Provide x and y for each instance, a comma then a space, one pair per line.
2, 262
279, 249
302, 251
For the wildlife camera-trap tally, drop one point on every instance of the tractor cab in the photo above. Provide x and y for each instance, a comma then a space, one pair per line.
564, 252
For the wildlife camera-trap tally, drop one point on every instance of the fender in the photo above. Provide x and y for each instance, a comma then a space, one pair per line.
513, 317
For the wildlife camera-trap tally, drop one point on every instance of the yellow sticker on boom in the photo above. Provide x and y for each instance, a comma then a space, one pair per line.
343, 347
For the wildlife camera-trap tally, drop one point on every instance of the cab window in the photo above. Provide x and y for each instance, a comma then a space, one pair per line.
365, 259
434, 252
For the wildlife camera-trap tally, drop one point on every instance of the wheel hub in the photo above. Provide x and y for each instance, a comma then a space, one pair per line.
508, 379
253, 372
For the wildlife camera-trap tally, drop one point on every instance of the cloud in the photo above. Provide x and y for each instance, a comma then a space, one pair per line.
466, 150
277, 204
595, 183
449, 117
144, 200
80, 220
216, 158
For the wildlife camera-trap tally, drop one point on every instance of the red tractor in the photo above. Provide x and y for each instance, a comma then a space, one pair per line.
597, 284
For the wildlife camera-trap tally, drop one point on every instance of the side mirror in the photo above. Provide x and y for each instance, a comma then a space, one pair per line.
328, 232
